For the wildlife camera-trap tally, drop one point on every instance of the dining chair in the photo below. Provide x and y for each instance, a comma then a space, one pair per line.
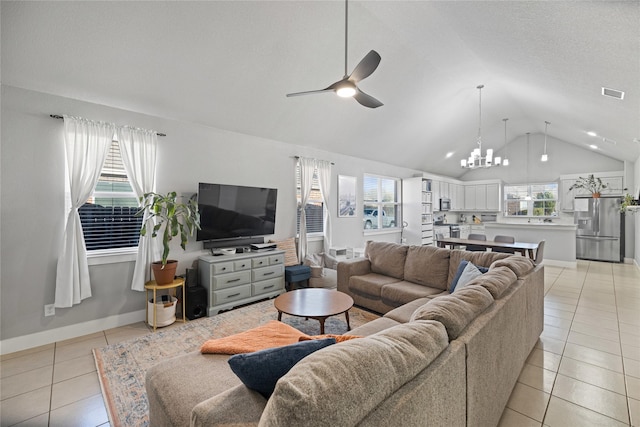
539, 253
474, 236
439, 236
504, 239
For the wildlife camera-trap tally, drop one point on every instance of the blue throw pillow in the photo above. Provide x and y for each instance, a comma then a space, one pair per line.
261, 370
459, 271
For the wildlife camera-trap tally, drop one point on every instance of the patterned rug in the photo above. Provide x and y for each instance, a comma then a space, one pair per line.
122, 366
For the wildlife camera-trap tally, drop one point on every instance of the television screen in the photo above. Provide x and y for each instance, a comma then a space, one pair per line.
231, 211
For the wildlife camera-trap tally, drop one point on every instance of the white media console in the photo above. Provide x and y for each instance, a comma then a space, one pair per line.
236, 279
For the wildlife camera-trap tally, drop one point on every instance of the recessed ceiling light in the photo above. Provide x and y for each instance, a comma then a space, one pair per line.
613, 93
592, 133
449, 154
593, 146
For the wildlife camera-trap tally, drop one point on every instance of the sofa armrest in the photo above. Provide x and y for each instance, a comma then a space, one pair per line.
238, 406
351, 267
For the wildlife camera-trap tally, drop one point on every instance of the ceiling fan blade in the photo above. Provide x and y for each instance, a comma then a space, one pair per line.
367, 66
310, 92
367, 100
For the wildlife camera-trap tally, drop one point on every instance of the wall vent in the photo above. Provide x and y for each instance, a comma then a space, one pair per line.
617, 94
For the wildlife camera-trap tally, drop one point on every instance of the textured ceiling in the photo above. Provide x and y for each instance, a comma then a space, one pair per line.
229, 64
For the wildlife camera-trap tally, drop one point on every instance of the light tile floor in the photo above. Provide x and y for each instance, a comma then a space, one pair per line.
584, 371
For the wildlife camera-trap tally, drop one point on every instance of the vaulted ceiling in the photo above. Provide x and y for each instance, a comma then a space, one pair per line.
229, 64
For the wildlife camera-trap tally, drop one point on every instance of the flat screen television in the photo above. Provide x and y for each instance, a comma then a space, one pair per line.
232, 211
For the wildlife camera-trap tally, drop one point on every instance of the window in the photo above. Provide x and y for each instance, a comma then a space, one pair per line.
314, 210
108, 217
381, 202
531, 199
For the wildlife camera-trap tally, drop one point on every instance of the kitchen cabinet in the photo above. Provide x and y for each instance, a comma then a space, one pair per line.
464, 231
614, 186
482, 197
493, 197
456, 192
469, 197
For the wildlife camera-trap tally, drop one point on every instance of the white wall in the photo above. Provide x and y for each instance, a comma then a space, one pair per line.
636, 193
32, 200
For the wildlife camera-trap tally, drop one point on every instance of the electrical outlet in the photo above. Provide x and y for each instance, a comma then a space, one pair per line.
49, 310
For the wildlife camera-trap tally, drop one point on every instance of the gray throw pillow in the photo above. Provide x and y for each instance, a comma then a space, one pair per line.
469, 273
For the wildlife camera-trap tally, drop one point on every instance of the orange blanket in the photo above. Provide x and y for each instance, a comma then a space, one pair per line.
269, 335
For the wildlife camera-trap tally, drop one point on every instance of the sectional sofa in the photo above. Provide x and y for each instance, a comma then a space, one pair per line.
433, 359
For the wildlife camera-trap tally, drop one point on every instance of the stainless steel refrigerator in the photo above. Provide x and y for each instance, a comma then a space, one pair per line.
600, 232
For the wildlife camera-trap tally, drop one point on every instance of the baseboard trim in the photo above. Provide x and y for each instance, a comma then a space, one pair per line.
556, 263
49, 336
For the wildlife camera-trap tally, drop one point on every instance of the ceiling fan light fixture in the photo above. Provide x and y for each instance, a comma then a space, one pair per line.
346, 90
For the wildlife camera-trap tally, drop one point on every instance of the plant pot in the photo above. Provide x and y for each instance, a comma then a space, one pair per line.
595, 195
164, 276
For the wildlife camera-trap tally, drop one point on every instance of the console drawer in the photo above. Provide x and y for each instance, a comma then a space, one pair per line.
263, 261
267, 272
231, 294
266, 286
276, 259
231, 279
223, 267
243, 264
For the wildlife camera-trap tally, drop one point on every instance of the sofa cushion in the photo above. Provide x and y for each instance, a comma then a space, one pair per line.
467, 271
459, 271
341, 385
427, 265
375, 326
399, 293
261, 370
496, 281
518, 264
479, 259
457, 310
387, 258
403, 313
369, 284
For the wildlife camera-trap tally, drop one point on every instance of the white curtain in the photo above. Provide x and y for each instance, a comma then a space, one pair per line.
324, 179
86, 144
307, 167
138, 148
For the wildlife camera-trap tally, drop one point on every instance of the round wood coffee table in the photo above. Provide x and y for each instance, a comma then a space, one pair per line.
315, 304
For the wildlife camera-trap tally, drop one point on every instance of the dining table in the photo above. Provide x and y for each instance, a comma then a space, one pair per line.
526, 249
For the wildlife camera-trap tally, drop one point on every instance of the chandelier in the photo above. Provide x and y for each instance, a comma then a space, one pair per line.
477, 159
544, 156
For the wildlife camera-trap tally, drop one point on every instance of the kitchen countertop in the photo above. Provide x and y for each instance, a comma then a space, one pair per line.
552, 225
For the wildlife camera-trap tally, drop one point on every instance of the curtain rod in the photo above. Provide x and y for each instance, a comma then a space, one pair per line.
297, 157
58, 116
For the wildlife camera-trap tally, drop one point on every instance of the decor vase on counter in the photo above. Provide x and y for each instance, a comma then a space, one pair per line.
591, 184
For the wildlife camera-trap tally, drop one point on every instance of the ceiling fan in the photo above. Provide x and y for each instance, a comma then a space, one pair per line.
347, 86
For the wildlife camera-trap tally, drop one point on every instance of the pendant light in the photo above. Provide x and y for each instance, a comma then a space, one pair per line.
477, 159
505, 162
545, 157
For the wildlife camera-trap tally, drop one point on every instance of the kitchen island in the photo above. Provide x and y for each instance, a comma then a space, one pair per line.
560, 239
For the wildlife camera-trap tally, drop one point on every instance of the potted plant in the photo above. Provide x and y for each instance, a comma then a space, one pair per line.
627, 201
169, 218
591, 184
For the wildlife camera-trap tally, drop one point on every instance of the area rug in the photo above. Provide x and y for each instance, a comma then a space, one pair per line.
122, 366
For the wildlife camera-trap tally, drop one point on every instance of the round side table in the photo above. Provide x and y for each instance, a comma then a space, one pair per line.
153, 286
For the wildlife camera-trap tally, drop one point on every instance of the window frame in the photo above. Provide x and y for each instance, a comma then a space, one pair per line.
531, 204
380, 204
114, 254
